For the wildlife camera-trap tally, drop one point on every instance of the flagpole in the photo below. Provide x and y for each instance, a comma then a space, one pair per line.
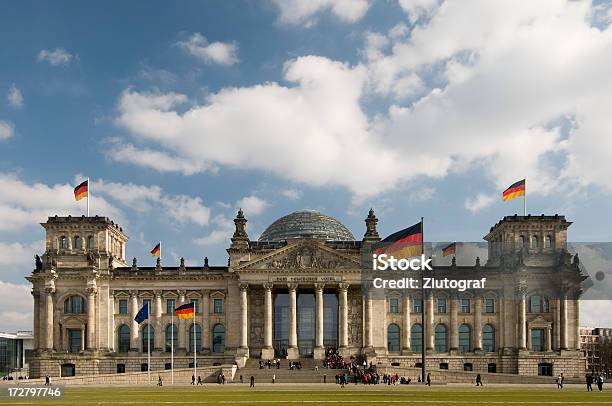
88, 194
171, 343
195, 349
424, 329
525, 199
149, 349
160, 251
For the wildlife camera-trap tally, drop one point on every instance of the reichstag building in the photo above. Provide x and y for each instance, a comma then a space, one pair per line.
298, 290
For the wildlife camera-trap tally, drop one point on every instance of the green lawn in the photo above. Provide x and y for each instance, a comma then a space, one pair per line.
316, 395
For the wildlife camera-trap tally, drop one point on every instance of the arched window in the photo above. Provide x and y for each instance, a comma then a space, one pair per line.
148, 332
441, 304
465, 338
393, 338
218, 338
74, 305
63, 242
90, 242
534, 242
416, 338
441, 338
538, 304
171, 338
198, 337
124, 338
78, 243
488, 338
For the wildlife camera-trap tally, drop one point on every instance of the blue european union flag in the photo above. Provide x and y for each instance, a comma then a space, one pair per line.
142, 314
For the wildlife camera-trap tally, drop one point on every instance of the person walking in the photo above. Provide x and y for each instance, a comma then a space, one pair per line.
193, 379
428, 379
589, 383
478, 380
241, 381
199, 380
160, 382
274, 378
600, 382
252, 382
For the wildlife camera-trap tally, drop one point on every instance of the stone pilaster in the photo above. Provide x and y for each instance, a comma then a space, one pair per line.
158, 342
522, 322
182, 327
406, 325
244, 319
134, 325
564, 325
319, 350
343, 304
454, 335
91, 317
206, 321
429, 320
49, 291
478, 323
36, 297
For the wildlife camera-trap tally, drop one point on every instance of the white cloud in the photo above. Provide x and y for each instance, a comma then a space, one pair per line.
252, 205
26, 205
304, 11
222, 53
7, 130
157, 160
183, 209
14, 97
16, 307
417, 9
292, 194
499, 84
478, 203
224, 228
18, 254
56, 57
422, 194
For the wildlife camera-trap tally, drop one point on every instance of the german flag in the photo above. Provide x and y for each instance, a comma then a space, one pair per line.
405, 243
186, 311
515, 190
449, 249
156, 250
81, 191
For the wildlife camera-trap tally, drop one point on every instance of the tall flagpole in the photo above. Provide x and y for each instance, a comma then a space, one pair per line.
149, 348
195, 348
525, 199
424, 329
171, 343
160, 250
88, 194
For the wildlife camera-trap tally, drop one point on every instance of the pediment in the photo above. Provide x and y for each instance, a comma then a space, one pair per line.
303, 255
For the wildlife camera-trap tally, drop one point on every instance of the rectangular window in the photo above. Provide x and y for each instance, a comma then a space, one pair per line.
218, 306
489, 305
196, 305
465, 305
170, 306
417, 304
74, 340
123, 306
393, 306
537, 340
441, 305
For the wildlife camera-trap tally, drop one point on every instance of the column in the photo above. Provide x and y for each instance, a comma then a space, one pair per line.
158, 341
343, 304
548, 339
429, 313
91, 318
367, 302
82, 338
267, 352
522, 333
478, 323
564, 330
244, 316
49, 318
454, 334
292, 351
557, 324
134, 326
111, 320
182, 326
37, 331
406, 324
319, 320
576, 323
205, 321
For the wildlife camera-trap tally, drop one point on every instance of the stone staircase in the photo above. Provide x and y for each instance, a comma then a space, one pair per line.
283, 375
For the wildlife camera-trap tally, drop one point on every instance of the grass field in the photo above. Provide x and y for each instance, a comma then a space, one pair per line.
318, 395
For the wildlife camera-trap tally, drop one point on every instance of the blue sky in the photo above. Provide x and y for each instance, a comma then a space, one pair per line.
181, 113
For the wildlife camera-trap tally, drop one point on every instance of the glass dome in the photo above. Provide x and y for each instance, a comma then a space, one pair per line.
306, 224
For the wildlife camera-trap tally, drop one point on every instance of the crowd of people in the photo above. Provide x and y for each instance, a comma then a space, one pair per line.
270, 364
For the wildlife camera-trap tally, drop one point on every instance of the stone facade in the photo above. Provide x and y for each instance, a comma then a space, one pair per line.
86, 296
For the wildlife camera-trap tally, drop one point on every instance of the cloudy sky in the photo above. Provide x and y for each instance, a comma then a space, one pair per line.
180, 115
